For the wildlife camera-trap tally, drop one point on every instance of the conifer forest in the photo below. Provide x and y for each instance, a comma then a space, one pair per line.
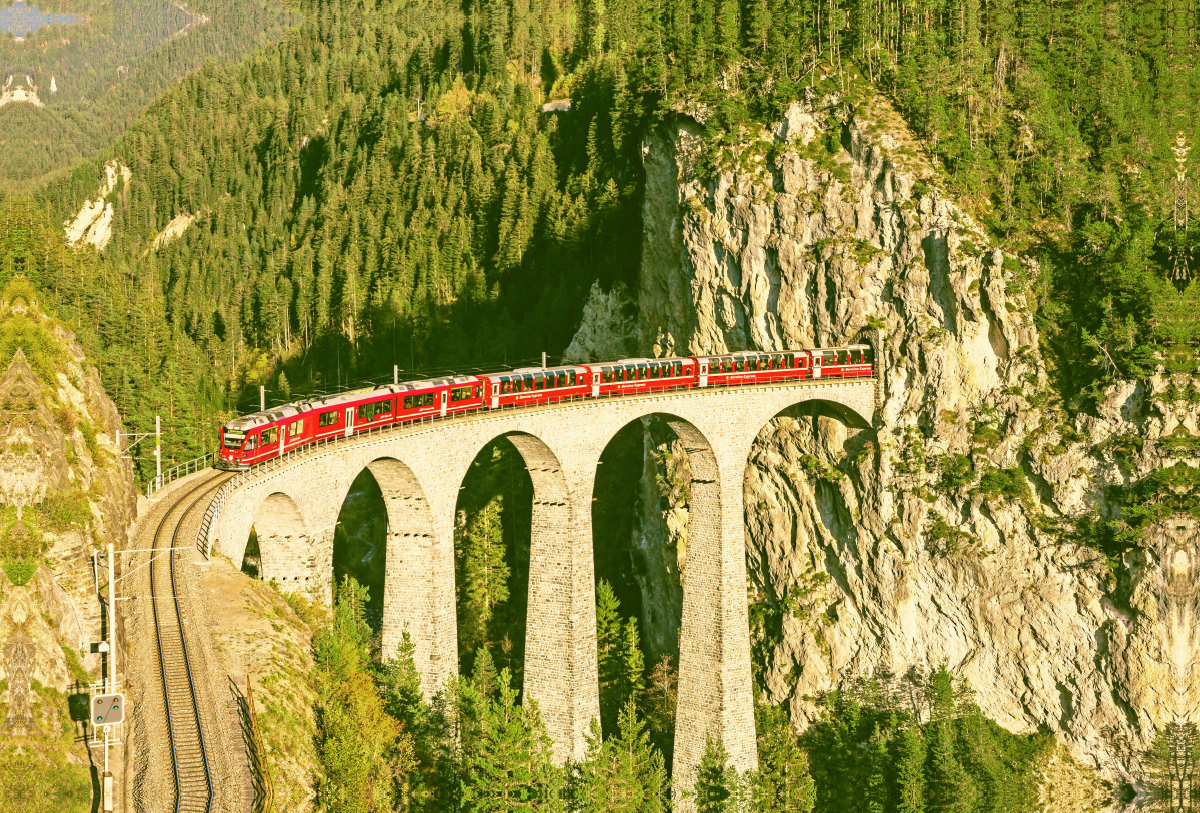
228, 202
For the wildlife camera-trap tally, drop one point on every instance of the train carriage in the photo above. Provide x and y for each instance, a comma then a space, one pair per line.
735, 369
633, 376
855, 361
527, 386
260, 436
433, 397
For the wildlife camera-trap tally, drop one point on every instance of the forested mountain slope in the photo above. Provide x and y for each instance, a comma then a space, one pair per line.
383, 187
382, 181
92, 78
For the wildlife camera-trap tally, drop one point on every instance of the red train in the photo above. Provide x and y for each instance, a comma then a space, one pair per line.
263, 435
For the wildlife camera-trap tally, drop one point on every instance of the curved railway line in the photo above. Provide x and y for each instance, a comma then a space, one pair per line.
190, 754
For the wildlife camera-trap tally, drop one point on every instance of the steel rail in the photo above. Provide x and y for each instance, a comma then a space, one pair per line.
174, 725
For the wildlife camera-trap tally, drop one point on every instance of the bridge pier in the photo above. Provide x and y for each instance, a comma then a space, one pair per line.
411, 568
560, 627
289, 551
716, 696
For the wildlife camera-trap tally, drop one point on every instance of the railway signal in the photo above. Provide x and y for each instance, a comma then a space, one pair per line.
108, 709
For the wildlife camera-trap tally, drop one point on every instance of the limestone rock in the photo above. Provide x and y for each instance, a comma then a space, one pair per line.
881, 550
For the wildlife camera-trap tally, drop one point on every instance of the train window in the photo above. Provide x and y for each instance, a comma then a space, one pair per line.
506, 387
739, 366
252, 444
677, 369
562, 380
422, 400
606, 375
527, 386
232, 440
686, 370
328, 418
727, 366
461, 394
799, 362
843, 357
269, 436
653, 371
828, 357
868, 355
539, 381
642, 372
371, 411
571, 379
295, 428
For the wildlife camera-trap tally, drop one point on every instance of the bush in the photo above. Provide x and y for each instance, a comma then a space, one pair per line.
61, 512
1006, 483
943, 540
957, 471
20, 571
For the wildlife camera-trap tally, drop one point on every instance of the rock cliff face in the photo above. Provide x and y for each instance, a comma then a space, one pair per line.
940, 534
63, 491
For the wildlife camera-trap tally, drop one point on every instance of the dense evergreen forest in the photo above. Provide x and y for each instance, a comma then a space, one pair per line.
908, 746
95, 76
382, 187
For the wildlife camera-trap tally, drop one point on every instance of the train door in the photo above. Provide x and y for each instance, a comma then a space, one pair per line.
495, 396
816, 365
704, 374
442, 412
349, 421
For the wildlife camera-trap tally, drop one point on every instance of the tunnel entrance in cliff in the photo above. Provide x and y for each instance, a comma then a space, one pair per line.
639, 535
492, 528
360, 543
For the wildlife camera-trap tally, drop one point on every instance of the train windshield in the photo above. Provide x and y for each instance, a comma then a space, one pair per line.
232, 439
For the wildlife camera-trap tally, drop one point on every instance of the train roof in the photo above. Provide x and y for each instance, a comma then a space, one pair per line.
427, 383
523, 371
247, 422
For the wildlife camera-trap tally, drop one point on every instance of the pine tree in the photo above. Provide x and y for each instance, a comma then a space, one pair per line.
609, 635
878, 768
511, 767
910, 770
716, 780
782, 783
623, 774
485, 574
633, 666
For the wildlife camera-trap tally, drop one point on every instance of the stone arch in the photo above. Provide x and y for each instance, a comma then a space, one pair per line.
284, 543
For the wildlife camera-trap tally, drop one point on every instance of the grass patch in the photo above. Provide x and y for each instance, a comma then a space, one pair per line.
19, 571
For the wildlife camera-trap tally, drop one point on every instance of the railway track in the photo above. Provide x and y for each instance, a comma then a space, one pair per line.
190, 754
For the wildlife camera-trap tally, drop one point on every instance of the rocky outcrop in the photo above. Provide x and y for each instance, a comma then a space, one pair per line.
94, 223
64, 490
943, 533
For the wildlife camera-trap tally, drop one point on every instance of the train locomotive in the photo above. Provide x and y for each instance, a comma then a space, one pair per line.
270, 433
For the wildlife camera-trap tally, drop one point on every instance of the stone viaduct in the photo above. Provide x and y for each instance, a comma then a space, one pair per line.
293, 503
